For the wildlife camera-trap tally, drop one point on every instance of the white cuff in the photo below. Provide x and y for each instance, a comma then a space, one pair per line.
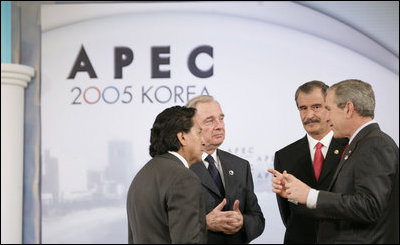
312, 199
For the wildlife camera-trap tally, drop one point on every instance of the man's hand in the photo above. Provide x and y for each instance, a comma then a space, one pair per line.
228, 222
278, 183
235, 223
295, 189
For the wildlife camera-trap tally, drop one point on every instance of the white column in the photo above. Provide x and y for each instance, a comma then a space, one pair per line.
14, 80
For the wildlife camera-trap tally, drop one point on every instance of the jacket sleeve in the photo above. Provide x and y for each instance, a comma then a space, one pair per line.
186, 211
283, 204
130, 235
253, 218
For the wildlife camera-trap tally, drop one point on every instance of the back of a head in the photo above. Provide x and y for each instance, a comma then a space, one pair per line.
167, 125
358, 92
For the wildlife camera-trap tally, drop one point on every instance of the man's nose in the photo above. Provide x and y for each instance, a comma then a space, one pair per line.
219, 123
309, 113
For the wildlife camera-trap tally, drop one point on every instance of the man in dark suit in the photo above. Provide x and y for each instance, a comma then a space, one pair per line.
233, 213
362, 201
298, 159
165, 201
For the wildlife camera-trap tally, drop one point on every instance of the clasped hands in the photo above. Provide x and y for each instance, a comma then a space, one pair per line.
288, 186
228, 222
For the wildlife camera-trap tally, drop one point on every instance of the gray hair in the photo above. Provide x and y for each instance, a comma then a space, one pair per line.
356, 91
201, 98
308, 87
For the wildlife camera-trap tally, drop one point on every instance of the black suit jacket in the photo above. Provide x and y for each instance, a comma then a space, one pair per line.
238, 186
301, 226
362, 205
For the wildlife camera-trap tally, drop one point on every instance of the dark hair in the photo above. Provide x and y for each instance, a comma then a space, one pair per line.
167, 125
308, 87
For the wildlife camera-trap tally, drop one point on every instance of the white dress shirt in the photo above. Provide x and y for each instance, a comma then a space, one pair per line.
312, 144
326, 141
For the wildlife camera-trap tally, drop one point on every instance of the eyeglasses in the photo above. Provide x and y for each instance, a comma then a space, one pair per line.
314, 108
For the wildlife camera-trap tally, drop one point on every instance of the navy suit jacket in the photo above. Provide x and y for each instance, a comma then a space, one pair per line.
362, 202
301, 225
238, 186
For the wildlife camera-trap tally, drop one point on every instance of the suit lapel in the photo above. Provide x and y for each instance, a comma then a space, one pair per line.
205, 177
303, 164
351, 148
228, 169
332, 157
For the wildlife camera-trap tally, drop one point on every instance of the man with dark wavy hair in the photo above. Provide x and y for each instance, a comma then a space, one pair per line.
165, 200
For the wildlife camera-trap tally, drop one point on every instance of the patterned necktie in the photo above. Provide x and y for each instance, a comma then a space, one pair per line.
318, 160
215, 174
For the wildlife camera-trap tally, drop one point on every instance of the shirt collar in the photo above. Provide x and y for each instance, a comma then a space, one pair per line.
326, 140
183, 160
359, 129
205, 154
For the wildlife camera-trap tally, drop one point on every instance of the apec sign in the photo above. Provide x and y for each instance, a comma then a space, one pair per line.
123, 57
109, 69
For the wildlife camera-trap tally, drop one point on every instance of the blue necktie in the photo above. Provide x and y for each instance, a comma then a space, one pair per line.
215, 174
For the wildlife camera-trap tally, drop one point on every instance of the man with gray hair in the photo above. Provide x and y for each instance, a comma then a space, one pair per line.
233, 213
361, 204
312, 159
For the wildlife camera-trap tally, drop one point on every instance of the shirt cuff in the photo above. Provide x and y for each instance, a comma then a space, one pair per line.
312, 199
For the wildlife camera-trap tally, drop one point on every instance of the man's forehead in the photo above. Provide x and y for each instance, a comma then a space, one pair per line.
207, 104
209, 108
310, 102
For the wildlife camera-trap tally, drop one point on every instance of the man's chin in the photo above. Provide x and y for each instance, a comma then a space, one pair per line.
219, 142
311, 128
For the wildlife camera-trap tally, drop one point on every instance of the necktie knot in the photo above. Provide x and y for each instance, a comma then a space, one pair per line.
210, 159
319, 145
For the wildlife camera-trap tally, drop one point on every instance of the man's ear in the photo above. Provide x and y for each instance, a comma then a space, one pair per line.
181, 137
350, 110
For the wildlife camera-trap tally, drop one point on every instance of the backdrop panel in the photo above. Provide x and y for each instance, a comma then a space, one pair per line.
106, 76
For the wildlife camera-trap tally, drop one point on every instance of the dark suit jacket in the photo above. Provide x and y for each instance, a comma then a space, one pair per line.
238, 186
165, 204
301, 226
362, 205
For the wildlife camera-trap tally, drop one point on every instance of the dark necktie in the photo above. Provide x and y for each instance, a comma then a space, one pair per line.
215, 174
318, 160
